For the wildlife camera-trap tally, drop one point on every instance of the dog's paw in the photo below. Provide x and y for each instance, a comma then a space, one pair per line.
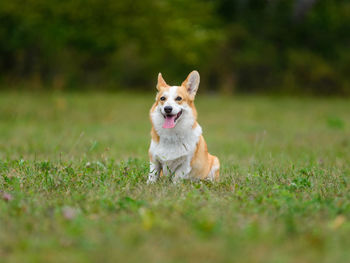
151, 180
176, 180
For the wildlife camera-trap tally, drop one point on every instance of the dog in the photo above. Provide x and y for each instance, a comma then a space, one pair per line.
177, 147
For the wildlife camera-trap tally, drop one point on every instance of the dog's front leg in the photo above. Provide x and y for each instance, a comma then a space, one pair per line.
182, 172
154, 171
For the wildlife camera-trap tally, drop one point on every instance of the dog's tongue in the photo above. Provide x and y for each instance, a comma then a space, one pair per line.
169, 122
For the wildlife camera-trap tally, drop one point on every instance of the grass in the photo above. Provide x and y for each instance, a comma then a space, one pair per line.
73, 169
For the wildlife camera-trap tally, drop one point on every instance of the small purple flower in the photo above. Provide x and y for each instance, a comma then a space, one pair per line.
7, 197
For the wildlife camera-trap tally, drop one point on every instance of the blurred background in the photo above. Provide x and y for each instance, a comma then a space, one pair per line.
298, 47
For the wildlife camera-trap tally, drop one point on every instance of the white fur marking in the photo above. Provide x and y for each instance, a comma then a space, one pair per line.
153, 173
211, 175
171, 95
214, 168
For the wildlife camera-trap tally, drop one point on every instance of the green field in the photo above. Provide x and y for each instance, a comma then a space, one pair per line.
73, 171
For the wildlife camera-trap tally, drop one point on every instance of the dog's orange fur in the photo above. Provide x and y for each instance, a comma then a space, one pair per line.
202, 161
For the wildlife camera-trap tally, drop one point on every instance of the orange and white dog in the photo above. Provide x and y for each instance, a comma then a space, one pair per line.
177, 146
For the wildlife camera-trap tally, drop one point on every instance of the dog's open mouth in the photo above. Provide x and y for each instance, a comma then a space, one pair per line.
170, 120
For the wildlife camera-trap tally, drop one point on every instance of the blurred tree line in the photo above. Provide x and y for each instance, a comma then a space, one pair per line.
263, 46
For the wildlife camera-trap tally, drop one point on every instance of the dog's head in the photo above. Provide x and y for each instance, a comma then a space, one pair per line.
175, 103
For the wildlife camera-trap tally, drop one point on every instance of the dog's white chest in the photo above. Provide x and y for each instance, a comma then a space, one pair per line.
174, 147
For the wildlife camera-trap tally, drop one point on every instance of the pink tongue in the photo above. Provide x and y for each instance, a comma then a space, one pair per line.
169, 122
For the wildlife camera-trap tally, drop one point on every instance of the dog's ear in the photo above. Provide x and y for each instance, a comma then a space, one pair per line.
191, 83
161, 82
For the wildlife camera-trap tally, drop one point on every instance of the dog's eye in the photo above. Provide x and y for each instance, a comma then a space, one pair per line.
178, 98
162, 98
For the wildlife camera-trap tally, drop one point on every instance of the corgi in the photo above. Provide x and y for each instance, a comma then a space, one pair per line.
177, 145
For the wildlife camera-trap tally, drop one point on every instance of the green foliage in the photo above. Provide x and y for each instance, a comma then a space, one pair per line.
62, 43
285, 46
295, 47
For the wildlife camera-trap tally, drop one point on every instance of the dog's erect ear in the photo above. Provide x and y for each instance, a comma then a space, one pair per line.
161, 82
191, 83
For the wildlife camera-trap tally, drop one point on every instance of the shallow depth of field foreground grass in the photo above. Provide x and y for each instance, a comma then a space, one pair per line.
73, 171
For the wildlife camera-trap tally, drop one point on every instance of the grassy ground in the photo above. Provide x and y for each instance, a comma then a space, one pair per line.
73, 169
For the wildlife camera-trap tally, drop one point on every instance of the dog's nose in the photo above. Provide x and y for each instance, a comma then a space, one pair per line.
168, 109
